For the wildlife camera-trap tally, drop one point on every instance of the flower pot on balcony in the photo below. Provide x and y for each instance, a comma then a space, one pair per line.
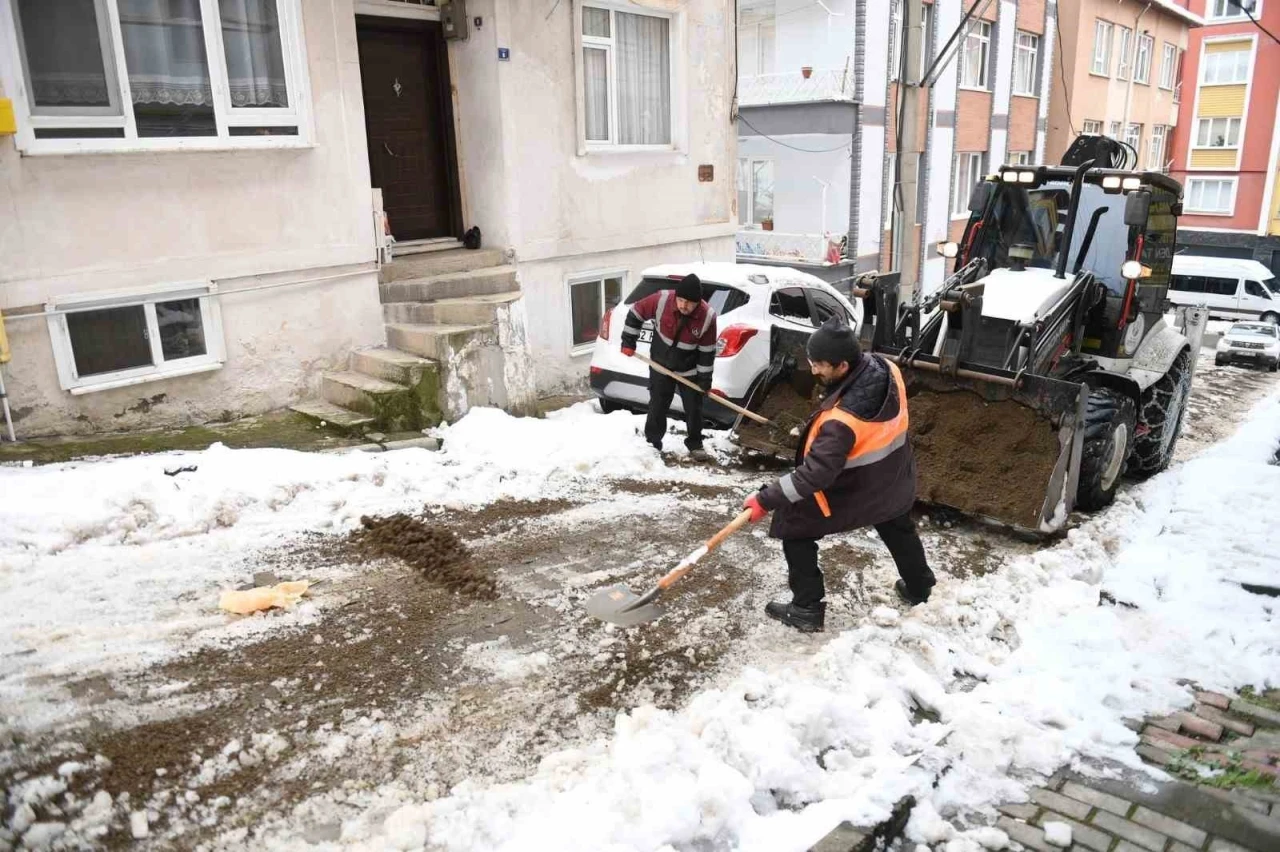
806, 71
766, 224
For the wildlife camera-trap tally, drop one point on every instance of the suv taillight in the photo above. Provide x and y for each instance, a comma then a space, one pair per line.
604, 324
732, 339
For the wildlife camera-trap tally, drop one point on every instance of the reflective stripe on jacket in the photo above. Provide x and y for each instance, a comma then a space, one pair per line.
854, 464
683, 344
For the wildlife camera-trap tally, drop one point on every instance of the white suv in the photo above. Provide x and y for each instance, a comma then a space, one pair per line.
751, 301
1255, 342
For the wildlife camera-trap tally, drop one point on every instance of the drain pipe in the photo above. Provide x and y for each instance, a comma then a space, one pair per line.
855, 151
1132, 58
4, 397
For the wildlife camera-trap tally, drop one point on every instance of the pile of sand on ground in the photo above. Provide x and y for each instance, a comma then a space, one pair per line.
992, 459
434, 552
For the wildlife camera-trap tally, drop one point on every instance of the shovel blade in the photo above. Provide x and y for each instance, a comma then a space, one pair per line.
617, 605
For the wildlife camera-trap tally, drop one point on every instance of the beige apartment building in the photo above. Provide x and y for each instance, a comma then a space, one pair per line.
1122, 63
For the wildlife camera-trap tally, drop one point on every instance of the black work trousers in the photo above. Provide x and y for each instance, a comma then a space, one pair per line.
899, 535
662, 389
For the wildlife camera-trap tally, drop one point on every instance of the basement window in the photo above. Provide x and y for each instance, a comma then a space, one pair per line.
145, 75
589, 300
109, 342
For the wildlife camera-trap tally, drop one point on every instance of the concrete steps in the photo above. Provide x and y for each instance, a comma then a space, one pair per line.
437, 341
329, 414
471, 310
450, 285
392, 365
433, 263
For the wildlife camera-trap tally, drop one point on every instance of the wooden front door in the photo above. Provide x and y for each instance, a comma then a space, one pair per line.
409, 123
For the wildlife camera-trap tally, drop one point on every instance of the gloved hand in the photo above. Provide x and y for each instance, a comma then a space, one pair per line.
758, 512
628, 352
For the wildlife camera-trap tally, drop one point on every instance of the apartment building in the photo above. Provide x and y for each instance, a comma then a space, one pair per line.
1122, 64
1227, 158
818, 148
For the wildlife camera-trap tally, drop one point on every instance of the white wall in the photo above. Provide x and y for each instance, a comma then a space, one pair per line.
807, 35
941, 150
797, 196
89, 223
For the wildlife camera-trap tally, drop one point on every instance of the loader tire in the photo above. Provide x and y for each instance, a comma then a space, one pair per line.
1109, 425
1162, 410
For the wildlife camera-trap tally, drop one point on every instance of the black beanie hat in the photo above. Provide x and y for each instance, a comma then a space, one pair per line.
833, 343
690, 287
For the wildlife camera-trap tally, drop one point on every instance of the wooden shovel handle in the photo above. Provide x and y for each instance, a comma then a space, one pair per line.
726, 403
712, 543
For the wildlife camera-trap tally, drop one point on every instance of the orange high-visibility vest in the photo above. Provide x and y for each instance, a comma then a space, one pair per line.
872, 440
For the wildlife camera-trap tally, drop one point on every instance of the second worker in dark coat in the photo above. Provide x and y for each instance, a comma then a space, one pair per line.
854, 468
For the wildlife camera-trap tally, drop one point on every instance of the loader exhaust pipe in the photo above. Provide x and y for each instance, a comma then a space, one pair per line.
1064, 254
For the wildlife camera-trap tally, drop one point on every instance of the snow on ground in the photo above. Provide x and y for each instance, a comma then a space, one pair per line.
1024, 668
134, 559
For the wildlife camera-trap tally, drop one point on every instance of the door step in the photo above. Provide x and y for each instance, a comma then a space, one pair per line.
436, 341
486, 281
424, 246
471, 310
444, 262
333, 415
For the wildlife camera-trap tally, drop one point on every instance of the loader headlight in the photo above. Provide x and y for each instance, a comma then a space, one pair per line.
1131, 269
948, 249
1111, 182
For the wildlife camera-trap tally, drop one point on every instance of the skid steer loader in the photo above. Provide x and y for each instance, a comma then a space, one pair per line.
1042, 369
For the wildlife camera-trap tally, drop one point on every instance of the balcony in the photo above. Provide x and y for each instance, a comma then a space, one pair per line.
812, 249
792, 87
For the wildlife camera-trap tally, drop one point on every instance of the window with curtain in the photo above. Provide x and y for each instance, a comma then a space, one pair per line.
1168, 65
1026, 63
1124, 48
176, 55
1133, 138
1226, 68
1209, 195
975, 56
1218, 133
1142, 64
969, 171
626, 77
1102, 31
755, 191
1159, 138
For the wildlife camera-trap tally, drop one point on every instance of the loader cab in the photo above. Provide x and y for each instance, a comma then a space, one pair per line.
1120, 217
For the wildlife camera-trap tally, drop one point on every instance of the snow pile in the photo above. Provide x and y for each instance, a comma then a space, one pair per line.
1024, 667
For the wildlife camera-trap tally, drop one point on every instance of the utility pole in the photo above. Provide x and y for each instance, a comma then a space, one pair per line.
909, 93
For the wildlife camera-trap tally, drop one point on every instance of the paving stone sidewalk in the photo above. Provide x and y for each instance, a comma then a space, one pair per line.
1221, 740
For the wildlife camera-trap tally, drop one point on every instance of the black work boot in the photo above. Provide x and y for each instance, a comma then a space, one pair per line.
909, 596
806, 619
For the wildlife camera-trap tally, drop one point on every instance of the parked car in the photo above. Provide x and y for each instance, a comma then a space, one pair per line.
1229, 287
750, 302
1252, 342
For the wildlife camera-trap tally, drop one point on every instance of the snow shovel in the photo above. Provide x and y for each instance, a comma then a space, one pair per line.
619, 605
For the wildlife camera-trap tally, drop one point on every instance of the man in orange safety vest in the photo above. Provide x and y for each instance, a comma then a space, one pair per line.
854, 468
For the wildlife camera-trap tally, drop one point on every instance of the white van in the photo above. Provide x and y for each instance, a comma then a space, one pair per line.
1230, 287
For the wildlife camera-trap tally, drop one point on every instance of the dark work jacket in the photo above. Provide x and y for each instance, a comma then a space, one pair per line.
683, 344
858, 496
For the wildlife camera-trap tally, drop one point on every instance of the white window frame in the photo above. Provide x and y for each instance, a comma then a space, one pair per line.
1168, 65
1130, 135
1021, 74
749, 175
1089, 127
1019, 158
981, 31
889, 187
1204, 67
1211, 13
293, 49
675, 38
1116, 131
926, 44
211, 321
1195, 144
1103, 40
599, 277
1230, 211
756, 27
1159, 148
1124, 51
963, 166
1143, 58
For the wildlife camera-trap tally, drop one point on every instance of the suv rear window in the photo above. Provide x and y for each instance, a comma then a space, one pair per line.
722, 298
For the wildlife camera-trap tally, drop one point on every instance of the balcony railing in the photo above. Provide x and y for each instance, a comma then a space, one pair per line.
792, 87
754, 244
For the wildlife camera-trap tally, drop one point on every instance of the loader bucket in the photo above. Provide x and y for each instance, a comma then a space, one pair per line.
1004, 454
